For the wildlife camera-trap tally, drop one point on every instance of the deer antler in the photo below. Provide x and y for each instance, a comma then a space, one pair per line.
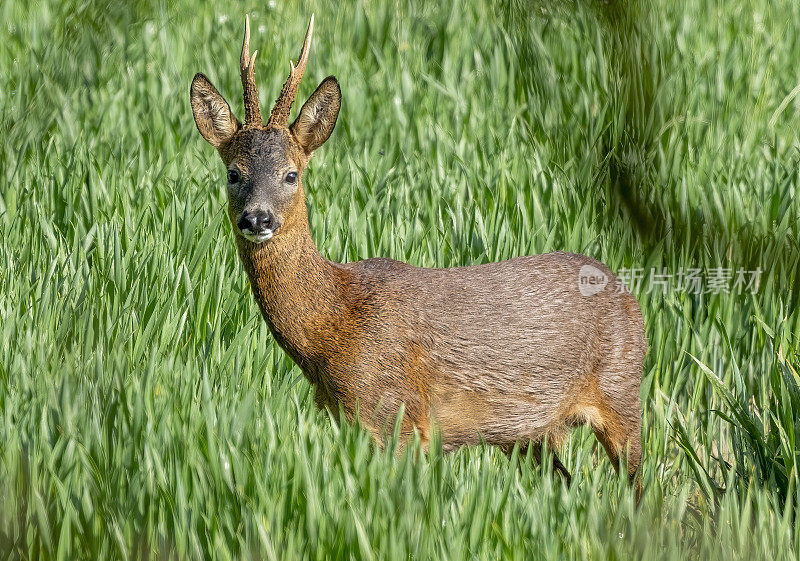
247, 65
280, 113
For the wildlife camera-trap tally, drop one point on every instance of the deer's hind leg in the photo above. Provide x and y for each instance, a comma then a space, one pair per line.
617, 422
536, 454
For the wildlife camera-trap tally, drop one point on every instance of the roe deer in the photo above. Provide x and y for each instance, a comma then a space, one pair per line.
516, 352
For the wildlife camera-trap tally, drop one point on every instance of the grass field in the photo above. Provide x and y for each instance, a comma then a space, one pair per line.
146, 412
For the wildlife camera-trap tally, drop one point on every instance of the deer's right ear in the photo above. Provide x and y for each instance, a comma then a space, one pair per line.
212, 114
318, 115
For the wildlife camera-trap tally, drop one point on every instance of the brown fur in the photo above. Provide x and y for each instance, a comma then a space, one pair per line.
507, 353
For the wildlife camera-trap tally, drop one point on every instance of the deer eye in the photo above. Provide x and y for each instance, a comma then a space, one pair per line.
233, 176
291, 177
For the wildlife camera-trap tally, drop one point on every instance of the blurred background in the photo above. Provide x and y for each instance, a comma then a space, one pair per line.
145, 410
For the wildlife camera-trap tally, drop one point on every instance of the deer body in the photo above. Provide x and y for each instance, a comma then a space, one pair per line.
506, 353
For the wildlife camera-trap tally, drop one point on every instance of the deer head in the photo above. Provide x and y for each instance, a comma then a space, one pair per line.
265, 162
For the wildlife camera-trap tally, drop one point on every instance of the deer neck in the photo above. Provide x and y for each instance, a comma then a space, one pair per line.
298, 292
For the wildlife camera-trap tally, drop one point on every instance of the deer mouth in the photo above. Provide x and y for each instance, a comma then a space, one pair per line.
259, 236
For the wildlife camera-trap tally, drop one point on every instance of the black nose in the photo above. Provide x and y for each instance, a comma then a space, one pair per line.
257, 221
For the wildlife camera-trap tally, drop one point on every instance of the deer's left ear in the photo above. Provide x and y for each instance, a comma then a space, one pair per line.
318, 115
212, 114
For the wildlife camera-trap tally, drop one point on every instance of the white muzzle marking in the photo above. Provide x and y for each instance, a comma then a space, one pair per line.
260, 237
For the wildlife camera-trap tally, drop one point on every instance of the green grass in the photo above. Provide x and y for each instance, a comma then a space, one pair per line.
146, 412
